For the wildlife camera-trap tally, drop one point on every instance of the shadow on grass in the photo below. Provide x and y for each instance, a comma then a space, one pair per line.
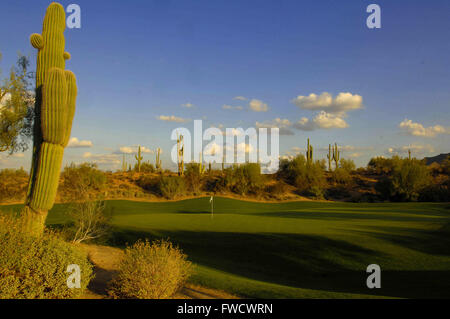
435, 242
348, 216
301, 261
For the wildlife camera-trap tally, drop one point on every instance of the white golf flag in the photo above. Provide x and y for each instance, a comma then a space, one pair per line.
211, 199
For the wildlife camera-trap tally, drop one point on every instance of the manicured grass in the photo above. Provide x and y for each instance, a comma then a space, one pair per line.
298, 249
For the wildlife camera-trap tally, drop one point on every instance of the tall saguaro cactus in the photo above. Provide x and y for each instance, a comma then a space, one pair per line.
336, 156
56, 92
180, 149
309, 153
330, 157
158, 159
139, 159
124, 164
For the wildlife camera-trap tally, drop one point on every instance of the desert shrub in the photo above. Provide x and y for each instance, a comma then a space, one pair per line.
381, 165
36, 268
347, 165
13, 184
308, 177
277, 189
342, 176
435, 193
408, 177
247, 178
193, 177
145, 168
244, 179
82, 181
171, 186
149, 183
151, 271
89, 220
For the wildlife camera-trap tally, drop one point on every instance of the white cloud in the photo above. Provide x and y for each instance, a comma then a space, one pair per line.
417, 129
188, 105
103, 159
172, 118
323, 120
133, 150
339, 105
244, 148
240, 98
415, 148
231, 107
356, 154
76, 143
213, 149
282, 124
258, 106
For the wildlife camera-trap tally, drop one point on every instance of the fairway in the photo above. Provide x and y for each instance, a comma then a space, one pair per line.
298, 249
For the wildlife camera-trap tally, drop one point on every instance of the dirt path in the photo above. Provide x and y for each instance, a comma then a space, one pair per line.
106, 260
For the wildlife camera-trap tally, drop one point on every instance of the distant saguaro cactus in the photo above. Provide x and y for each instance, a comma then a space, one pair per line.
124, 164
158, 159
56, 92
330, 157
336, 156
139, 159
180, 152
309, 153
201, 168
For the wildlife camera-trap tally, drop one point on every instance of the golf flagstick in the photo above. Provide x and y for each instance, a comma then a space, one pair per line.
211, 200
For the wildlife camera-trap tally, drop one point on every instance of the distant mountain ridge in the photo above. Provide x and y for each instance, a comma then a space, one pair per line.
436, 159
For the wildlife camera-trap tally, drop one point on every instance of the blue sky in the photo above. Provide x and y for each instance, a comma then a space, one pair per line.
138, 60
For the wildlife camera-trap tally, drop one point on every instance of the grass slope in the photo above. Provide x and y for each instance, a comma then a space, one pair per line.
298, 249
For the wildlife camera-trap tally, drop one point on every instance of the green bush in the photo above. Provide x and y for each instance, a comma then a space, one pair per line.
408, 177
35, 268
381, 165
172, 186
193, 177
13, 184
145, 168
82, 181
277, 189
155, 270
347, 165
342, 176
309, 178
149, 183
247, 179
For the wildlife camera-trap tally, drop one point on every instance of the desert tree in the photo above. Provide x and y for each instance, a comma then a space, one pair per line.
16, 108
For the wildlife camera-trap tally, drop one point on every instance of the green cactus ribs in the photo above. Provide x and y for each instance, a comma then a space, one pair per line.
56, 92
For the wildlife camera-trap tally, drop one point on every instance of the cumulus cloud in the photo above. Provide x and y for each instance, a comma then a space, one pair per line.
282, 124
132, 150
323, 120
76, 143
103, 159
188, 105
415, 148
417, 129
258, 106
240, 98
213, 149
355, 155
231, 107
339, 105
172, 118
